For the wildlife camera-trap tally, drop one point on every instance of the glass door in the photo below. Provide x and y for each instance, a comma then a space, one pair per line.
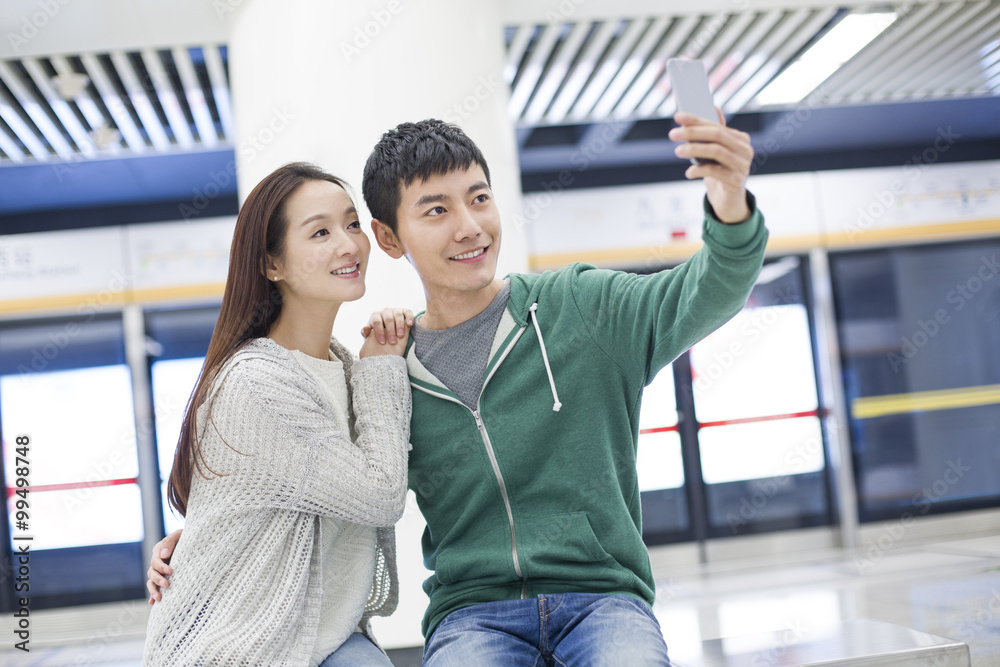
920, 348
72, 494
731, 437
660, 464
759, 428
180, 340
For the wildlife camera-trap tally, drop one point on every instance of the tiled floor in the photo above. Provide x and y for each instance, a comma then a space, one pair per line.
950, 589
947, 589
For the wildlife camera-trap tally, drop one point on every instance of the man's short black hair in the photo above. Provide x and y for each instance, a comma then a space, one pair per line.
411, 151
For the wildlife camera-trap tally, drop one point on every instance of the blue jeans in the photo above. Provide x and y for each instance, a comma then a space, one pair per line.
565, 630
357, 651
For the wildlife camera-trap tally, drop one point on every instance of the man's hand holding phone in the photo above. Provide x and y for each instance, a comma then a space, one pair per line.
720, 155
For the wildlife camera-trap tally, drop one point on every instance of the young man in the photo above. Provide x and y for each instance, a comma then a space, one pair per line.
526, 394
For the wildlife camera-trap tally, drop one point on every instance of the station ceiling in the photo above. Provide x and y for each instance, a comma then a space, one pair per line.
572, 79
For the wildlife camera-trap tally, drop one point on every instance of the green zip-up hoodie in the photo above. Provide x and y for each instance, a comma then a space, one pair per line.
522, 498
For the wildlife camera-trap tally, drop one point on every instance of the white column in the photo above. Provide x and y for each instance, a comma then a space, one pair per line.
321, 81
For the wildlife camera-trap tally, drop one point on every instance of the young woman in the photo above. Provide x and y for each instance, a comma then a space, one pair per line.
291, 465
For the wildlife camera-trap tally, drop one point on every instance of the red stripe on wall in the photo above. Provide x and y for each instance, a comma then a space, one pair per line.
768, 418
661, 429
11, 490
728, 422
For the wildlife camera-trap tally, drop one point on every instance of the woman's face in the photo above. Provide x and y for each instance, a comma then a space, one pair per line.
326, 252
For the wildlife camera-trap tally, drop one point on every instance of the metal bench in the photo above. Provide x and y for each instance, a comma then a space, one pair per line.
860, 643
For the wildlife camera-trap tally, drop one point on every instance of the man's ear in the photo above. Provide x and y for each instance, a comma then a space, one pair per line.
387, 239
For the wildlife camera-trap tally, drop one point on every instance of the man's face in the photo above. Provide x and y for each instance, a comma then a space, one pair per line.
449, 229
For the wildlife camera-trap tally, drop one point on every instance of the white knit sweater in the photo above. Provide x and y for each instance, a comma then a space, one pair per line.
247, 587
347, 550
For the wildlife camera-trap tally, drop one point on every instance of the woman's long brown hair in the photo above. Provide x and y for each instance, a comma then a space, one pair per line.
250, 304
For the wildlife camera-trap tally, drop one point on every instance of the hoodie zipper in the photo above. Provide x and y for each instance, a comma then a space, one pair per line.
493, 459
506, 500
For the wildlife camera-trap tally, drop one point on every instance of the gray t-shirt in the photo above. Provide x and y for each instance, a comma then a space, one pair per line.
458, 356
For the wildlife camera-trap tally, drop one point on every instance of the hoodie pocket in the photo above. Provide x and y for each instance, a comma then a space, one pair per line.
558, 546
483, 559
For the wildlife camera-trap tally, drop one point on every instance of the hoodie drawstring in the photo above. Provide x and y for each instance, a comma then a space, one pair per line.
545, 356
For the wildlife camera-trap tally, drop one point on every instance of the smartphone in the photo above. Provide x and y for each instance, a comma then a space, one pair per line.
689, 84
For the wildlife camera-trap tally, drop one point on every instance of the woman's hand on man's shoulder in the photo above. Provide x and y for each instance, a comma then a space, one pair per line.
386, 332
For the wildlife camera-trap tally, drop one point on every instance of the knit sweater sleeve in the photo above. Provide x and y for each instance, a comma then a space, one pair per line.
276, 447
644, 322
